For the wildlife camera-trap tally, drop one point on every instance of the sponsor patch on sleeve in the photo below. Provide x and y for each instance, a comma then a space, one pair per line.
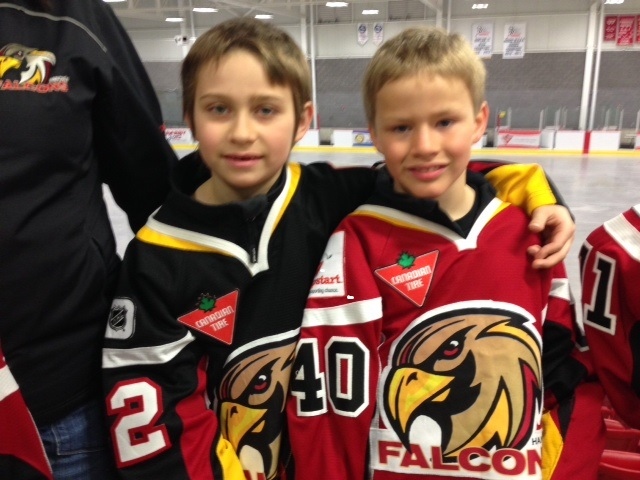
329, 280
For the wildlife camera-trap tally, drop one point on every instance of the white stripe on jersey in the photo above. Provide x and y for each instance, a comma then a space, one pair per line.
393, 216
625, 235
152, 355
353, 313
8, 384
560, 289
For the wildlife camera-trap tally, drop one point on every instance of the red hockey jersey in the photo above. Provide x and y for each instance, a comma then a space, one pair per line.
421, 352
610, 266
22, 455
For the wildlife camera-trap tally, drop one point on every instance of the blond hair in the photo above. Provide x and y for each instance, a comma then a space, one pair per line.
424, 50
283, 61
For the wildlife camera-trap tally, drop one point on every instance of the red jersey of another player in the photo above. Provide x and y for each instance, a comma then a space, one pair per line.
610, 266
22, 455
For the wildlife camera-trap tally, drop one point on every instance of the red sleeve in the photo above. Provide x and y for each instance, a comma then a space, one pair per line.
583, 433
21, 450
332, 398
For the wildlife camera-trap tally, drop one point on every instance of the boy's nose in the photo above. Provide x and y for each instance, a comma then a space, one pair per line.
424, 141
243, 128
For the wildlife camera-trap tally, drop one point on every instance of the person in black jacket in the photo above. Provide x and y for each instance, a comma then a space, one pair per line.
77, 110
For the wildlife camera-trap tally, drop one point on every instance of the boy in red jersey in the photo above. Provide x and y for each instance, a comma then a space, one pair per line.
430, 348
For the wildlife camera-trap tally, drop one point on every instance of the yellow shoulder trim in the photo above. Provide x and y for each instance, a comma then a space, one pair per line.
524, 185
295, 171
148, 235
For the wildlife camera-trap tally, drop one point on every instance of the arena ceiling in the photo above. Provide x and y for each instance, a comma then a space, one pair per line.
152, 14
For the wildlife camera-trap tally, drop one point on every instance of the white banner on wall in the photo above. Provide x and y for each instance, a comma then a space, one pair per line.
378, 33
363, 33
482, 39
514, 40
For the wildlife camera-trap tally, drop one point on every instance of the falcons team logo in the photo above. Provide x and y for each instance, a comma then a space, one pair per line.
474, 372
251, 400
34, 66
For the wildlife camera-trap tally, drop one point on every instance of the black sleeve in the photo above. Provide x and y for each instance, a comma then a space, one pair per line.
337, 191
134, 156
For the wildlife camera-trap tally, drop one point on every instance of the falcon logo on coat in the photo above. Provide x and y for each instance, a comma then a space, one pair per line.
475, 372
252, 400
33, 65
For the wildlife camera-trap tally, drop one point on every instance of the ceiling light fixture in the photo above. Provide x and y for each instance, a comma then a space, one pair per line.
174, 19
336, 4
263, 16
370, 12
113, 1
205, 9
479, 6
613, 2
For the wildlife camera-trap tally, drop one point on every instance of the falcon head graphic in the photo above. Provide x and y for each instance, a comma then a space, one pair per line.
33, 65
252, 400
476, 374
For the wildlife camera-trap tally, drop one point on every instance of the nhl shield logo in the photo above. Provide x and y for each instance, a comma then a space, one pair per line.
121, 319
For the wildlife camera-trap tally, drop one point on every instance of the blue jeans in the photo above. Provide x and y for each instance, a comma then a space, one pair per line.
78, 445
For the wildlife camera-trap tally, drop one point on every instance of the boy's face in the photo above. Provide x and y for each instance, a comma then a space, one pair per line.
245, 126
425, 126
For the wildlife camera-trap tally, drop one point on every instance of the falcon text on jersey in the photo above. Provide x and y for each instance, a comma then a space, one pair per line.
392, 456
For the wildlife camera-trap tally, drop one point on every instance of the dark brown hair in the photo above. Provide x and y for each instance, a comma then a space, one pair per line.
283, 61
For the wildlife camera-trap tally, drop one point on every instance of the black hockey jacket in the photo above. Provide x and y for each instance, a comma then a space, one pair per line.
76, 109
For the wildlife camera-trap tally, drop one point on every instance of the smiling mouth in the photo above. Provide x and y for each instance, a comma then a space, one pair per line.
242, 158
428, 169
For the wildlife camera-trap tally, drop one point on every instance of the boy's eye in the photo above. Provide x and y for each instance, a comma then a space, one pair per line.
401, 129
266, 111
445, 123
217, 109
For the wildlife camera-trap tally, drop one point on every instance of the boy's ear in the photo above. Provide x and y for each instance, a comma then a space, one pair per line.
481, 120
304, 121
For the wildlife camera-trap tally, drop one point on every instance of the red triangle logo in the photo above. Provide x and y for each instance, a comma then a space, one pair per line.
219, 322
411, 282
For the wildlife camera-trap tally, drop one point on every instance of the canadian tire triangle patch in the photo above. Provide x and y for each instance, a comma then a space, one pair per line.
411, 276
215, 317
